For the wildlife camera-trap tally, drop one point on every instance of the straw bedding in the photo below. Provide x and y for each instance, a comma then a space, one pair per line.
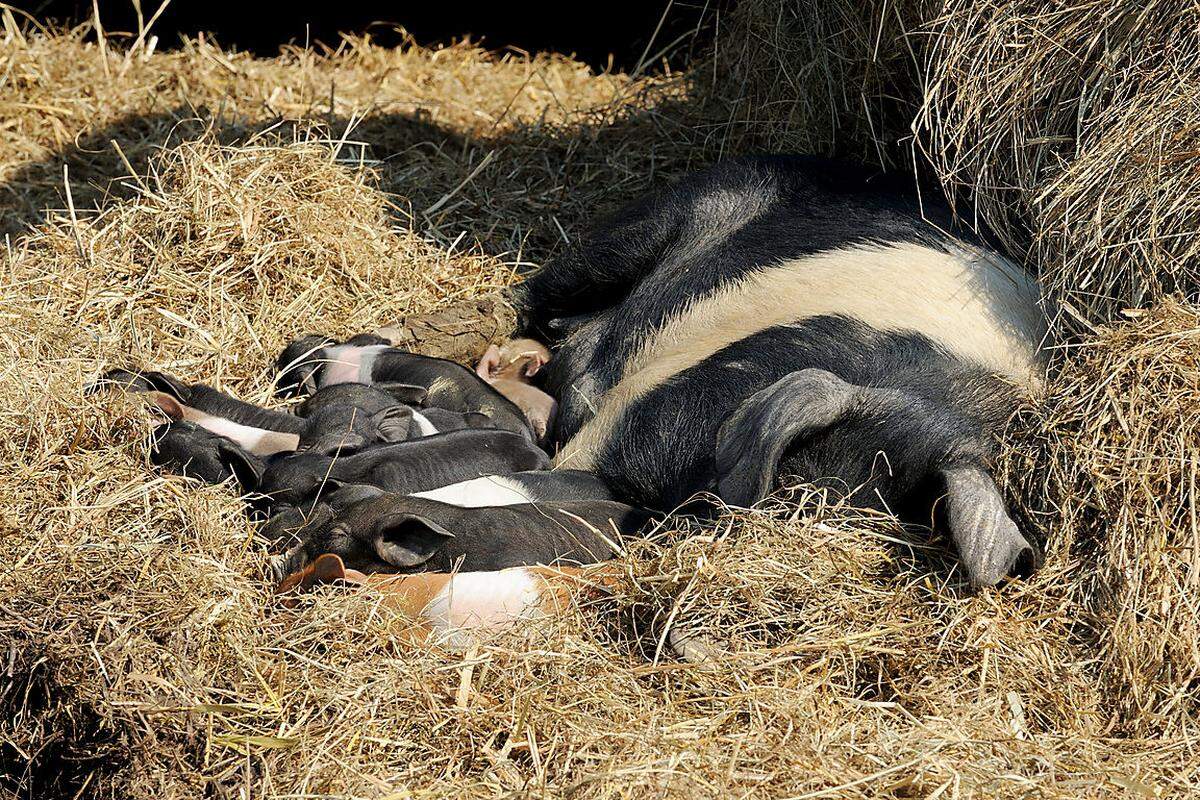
140, 652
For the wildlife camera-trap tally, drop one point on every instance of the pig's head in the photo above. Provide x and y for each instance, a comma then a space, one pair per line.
297, 366
379, 533
190, 450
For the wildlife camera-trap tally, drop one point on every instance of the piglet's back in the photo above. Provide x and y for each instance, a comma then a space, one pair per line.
488, 538
443, 459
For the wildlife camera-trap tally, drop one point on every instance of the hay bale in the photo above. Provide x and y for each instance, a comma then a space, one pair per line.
1076, 133
1110, 464
813, 77
1072, 133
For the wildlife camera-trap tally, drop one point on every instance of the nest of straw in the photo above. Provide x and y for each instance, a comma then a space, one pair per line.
142, 655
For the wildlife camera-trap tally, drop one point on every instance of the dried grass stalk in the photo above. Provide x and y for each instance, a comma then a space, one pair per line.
1072, 132
833, 78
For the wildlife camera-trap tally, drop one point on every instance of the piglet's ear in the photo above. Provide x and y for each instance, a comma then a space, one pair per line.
329, 568
167, 404
409, 540
475, 419
534, 361
246, 467
532, 366
392, 424
405, 393
489, 364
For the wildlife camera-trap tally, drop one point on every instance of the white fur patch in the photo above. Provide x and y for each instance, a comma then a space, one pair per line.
348, 363
424, 426
259, 441
485, 600
490, 490
973, 303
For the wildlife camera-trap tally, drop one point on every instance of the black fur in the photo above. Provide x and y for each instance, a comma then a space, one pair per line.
445, 420
952, 407
291, 525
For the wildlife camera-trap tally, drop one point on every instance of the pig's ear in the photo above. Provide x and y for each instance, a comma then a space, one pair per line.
167, 404
246, 467
328, 486
409, 540
533, 363
489, 364
142, 381
329, 568
475, 419
405, 393
168, 384
126, 379
392, 424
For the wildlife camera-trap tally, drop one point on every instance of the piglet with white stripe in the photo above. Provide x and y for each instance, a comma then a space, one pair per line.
394, 533
188, 449
412, 466
258, 430
291, 524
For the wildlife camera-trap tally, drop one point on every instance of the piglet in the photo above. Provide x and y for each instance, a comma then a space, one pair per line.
188, 449
508, 368
453, 607
411, 466
369, 409
257, 430
315, 362
349, 417
396, 533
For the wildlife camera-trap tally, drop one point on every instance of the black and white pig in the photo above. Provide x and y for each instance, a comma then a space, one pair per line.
411, 466
392, 533
341, 419
779, 317
188, 449
518, 488
257, 430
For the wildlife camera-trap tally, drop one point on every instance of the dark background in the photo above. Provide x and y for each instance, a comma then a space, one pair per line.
592, 31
